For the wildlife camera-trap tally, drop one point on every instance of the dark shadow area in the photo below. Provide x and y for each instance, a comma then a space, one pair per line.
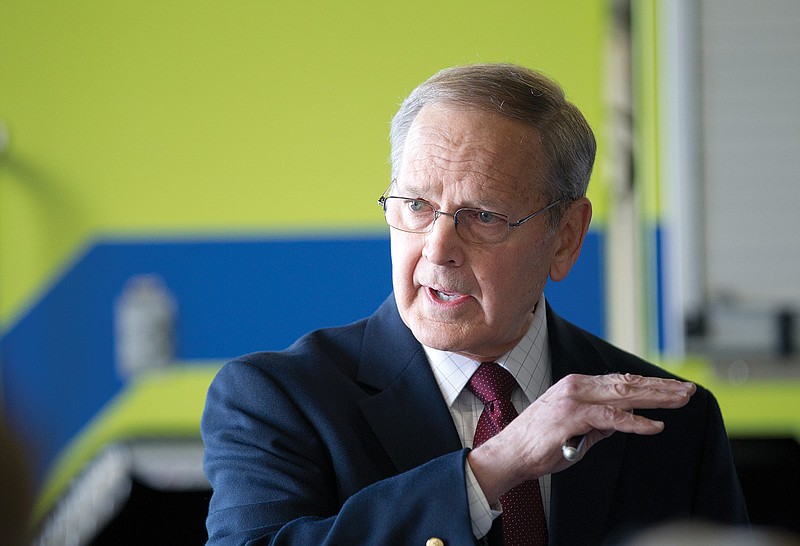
769, 471
152, 516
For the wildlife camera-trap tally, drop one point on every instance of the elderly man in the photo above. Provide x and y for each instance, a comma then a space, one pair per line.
465, 410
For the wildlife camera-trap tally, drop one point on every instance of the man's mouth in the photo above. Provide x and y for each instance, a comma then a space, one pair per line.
441, 295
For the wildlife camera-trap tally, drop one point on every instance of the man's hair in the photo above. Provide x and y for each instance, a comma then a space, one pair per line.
518, 93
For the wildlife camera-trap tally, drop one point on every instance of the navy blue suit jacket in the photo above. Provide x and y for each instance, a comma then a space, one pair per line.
344, 438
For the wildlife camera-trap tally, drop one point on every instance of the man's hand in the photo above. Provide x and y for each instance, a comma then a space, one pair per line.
598, 406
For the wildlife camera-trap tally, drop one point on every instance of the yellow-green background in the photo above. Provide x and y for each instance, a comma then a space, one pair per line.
156, 118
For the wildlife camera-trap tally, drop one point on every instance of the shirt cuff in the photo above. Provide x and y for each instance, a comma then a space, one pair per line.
481, 514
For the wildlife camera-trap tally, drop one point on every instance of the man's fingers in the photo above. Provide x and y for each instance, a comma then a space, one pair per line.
611, 418
631, 381
633, 391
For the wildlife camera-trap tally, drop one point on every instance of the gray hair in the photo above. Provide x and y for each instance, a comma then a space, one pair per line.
518, 93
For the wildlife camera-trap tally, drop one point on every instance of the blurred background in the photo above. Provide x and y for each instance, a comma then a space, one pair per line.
184, 182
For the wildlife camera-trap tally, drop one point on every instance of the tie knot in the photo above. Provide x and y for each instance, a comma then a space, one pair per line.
491, 382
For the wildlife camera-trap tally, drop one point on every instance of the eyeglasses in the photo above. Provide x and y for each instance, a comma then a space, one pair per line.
473, 225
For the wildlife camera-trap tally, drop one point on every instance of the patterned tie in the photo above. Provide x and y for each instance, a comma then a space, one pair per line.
524, 523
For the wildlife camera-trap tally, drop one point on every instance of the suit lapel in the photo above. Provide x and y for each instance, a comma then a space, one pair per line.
407, 414
581, 496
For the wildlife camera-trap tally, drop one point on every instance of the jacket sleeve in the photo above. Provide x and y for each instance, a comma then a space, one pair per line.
274, 481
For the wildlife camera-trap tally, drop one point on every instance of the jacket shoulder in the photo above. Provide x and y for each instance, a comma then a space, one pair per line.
576, 350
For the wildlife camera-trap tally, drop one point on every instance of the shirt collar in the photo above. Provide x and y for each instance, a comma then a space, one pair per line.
528, 362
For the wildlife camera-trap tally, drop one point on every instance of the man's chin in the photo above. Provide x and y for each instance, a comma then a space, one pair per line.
437, 334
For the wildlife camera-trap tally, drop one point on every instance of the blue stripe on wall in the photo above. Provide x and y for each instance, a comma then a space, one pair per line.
233, 297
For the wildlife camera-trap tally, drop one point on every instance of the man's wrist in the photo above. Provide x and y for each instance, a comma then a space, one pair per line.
488, 472
481, 513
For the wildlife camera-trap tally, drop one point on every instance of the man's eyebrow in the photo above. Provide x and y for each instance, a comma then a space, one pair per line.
491, 204
483, 202
410, 190
488, 203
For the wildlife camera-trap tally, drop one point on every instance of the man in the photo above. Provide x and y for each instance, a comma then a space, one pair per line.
368, 433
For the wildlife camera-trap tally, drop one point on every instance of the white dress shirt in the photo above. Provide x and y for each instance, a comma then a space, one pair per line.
529, 363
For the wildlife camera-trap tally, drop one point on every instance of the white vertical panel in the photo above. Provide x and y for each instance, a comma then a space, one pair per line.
679, 149
751, 137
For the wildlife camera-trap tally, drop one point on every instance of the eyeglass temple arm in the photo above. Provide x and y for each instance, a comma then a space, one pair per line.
537, 213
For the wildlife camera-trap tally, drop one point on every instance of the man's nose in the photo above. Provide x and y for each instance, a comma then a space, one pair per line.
443, 245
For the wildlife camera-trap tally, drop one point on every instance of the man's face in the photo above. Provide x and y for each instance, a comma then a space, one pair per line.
473, 299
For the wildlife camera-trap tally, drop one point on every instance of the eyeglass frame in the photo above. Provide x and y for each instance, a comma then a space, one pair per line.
438, 212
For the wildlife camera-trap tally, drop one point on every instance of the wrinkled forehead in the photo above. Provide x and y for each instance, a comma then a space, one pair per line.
450, 144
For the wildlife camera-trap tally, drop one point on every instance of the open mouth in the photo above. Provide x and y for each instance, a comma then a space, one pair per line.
445, 296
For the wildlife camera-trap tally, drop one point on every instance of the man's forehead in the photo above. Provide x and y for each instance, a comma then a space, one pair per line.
459, 132
450, 144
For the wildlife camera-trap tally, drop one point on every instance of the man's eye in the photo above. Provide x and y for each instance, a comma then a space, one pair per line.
486, 217
416, 206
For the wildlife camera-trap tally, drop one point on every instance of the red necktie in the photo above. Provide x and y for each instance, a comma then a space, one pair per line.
524, 523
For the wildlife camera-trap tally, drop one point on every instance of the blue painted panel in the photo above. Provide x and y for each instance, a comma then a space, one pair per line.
233, 296
580, 298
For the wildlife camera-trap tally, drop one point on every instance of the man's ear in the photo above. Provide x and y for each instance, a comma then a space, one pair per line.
570, 234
